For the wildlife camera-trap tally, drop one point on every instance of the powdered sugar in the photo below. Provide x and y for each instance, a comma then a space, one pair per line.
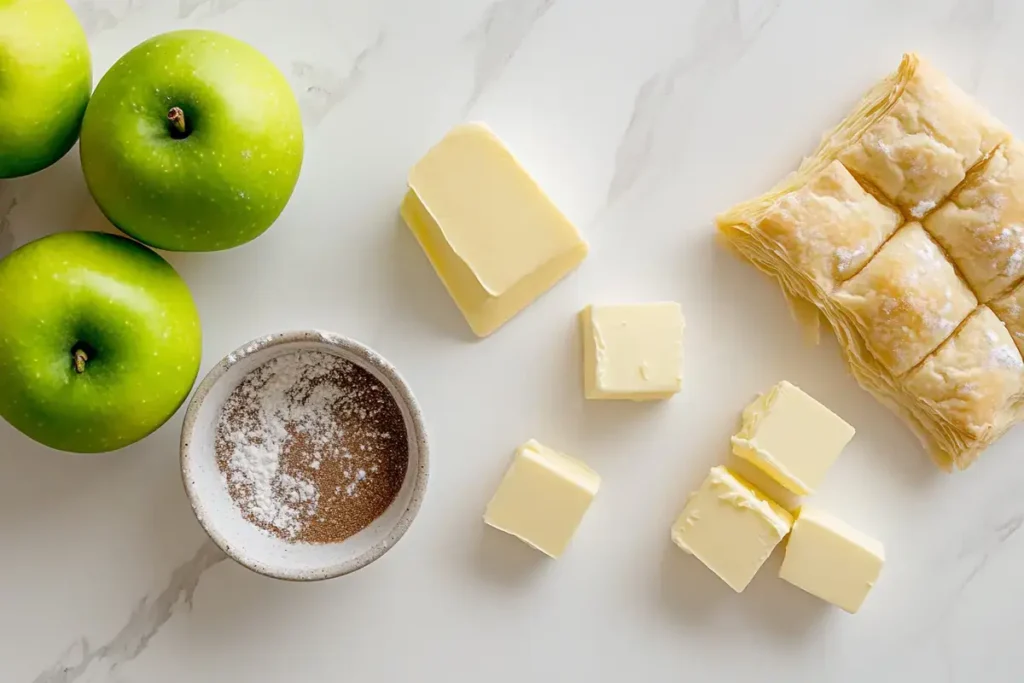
1009, 243
921, 208
277, 402
846, 257
1002, 354
1007, 357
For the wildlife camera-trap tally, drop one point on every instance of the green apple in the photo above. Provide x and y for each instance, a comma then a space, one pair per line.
99, 341
45, 80
192, 142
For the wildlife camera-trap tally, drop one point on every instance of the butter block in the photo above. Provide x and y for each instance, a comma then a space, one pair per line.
495, 239
543, 498
791, 437
632, 352
731, 527
831, 560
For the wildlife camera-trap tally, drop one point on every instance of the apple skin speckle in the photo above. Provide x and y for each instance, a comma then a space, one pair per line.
168, 192
137, 375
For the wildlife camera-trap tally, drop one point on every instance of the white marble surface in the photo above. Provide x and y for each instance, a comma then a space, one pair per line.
642, 118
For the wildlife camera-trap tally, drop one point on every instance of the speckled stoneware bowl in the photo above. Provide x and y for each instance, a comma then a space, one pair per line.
221, 518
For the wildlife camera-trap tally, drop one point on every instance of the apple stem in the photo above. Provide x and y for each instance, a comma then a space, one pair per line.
177, 118
80, 358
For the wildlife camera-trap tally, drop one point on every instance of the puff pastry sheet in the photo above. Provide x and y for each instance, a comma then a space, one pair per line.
904, 231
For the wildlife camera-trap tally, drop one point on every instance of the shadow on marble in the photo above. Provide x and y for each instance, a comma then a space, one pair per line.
496, 556
35, 479
421, 296
690, 591
91, 218
560, 417
504, 559
687, 588
782, 610
172, 528
607, 418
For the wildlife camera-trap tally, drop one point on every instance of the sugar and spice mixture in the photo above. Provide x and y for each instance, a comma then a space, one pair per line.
312, 447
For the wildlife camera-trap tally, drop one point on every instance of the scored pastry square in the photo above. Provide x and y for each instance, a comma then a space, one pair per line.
908, 299
830, 227
981, 226
975, 381
1010, 309
918, 313
923, 146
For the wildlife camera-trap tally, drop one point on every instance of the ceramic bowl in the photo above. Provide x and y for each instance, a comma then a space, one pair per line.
221, 518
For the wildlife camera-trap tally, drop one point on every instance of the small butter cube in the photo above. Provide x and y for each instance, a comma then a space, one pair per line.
543, 498
493, 236
633, 351
831, 560
731, 527
791, 437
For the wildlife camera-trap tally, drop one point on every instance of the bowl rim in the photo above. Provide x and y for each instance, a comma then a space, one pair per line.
404, 396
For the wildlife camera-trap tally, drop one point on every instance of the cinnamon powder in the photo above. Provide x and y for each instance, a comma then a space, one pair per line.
312, 447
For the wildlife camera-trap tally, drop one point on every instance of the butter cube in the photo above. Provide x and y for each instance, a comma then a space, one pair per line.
632, 352
831, 560
791, 437
493, 236
731, 527
543, 498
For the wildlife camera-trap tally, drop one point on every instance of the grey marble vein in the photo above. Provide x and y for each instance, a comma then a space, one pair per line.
960, 569
989, 538
721, 36
634, 149
98, 16
187, 7
143, 624
502, 29
6, 233
322, 88
984, 546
